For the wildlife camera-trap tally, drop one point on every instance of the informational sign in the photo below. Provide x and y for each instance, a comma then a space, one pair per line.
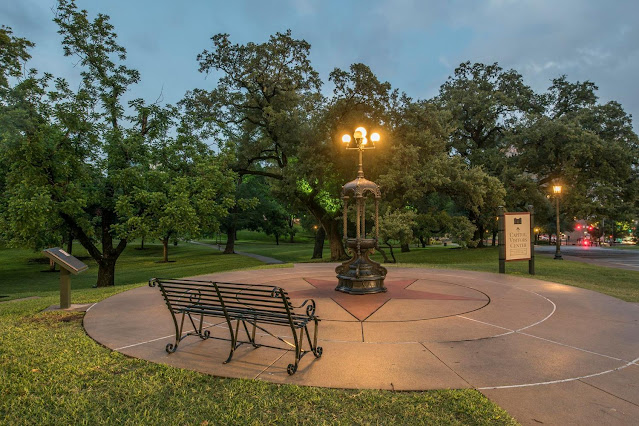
65, 260
68, 265
517, 237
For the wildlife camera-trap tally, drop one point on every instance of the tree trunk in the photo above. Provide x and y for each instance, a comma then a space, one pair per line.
330, 225
292, 235
335, 242
142, 244
70, 243
422, 241
479, 236
230, 240
165, 249
390, 247
106, 273
318, 248
405, 248
383, 254
51, 265
277, 239
107, 258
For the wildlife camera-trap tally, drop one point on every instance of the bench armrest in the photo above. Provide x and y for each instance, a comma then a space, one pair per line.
310, 307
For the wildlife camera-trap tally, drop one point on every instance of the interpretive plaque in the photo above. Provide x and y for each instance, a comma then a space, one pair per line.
65, 260
68, 265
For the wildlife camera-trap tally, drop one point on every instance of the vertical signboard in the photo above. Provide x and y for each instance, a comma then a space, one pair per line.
516, 238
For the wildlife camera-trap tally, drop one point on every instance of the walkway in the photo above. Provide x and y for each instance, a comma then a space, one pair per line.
265, 259
545, 352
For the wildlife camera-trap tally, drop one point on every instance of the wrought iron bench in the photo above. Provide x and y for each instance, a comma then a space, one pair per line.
249, 304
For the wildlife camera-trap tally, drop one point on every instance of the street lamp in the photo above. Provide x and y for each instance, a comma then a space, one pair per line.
556, 189
360, 142
360, 274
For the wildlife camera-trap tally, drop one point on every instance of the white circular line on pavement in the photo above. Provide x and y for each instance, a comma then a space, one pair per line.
562, 380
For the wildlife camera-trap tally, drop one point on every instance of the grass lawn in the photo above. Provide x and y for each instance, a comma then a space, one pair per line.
255, 242
51, 372
22, 273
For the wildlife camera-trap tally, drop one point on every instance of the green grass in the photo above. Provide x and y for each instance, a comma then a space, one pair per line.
22, 276
300, 250
51, 372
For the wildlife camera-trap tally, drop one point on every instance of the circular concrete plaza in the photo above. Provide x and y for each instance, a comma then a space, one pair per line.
522, 342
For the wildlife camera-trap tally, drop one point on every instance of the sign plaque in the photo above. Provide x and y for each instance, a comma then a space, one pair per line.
68, 265
516, 238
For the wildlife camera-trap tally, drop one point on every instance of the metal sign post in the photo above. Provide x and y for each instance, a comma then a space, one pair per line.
516, 238
68, 265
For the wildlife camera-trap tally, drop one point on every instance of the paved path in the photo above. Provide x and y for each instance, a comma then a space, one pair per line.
265, 259
545, 352
611, 257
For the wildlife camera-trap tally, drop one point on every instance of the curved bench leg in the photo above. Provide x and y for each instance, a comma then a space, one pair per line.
317, 350
172, 347
292, 368
234, 344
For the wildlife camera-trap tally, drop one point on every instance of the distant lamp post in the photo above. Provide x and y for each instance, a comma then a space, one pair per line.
360, 274
556, 189
536, 235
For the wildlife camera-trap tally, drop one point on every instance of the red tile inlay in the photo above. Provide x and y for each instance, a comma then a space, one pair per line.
362, 306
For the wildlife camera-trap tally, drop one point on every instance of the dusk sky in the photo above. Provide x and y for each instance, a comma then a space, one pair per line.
415, 45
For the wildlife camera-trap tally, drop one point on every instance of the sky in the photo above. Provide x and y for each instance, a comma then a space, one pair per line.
415, 45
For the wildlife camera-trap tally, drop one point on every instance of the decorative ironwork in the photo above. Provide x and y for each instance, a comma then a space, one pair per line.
360, 274
248, 304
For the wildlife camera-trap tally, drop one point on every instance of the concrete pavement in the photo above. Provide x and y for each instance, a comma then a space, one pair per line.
547, 353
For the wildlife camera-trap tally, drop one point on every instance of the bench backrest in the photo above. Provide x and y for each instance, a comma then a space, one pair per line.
263, 303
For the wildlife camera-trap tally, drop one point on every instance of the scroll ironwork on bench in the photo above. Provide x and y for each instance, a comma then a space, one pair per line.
251, 305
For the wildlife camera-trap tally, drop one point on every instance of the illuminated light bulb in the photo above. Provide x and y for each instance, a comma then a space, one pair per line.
361, 131
346, 138
556, 189
375, 137
364, 141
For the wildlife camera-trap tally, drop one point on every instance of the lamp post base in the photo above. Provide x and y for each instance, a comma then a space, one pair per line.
558, 257
360, 274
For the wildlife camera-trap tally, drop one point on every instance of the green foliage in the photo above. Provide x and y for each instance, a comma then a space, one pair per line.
397, 225
14, 52
87, 162
462, 230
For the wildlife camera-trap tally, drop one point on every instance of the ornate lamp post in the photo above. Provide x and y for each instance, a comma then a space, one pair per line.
360, 274
556, 189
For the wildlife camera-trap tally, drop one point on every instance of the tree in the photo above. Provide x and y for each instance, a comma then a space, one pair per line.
485, 103
590, 148
396, 225
186, 193
462, 230
258, 110
83, 152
